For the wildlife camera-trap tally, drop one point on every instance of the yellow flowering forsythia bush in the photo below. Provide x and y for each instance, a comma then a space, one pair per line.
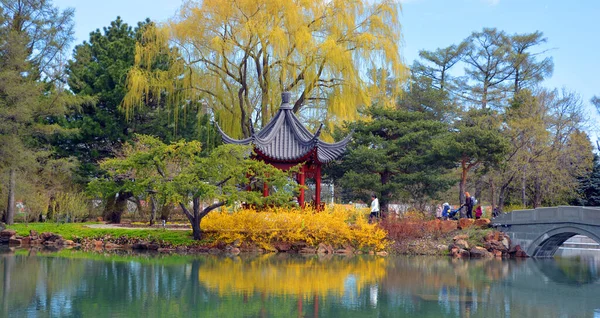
338, 226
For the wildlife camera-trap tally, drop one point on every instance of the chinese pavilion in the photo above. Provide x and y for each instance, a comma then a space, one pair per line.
284, 142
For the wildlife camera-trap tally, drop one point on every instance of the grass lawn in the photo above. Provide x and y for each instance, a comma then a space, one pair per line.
71, 231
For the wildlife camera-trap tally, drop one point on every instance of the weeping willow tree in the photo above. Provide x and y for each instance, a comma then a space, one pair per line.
237, 56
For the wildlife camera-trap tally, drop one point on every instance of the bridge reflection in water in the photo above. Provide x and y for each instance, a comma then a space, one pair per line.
76, 284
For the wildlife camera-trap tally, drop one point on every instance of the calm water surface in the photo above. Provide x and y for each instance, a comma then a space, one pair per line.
78, 284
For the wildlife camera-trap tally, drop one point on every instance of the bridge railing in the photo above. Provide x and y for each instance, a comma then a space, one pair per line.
559, 214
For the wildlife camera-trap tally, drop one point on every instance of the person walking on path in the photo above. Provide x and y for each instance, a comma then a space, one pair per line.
374, 208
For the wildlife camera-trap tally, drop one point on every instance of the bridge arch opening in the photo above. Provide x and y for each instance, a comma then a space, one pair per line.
548, 243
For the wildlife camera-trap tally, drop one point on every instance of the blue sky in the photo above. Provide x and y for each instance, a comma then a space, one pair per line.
572, 29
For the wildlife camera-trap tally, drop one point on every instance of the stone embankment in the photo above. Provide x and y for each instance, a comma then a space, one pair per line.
495, 244
52, 240
11, 238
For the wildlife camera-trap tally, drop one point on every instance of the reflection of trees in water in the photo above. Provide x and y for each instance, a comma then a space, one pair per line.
273, 274
572, 271
266, 285
447, 287
80, 284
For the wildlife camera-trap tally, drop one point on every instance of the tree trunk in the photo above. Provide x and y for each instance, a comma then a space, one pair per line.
114, 210
152, 210
52, 207
462, 185
383, 200
537, 195
196, 231
165, 212
9, 217
492, 194
523, 192
484, 96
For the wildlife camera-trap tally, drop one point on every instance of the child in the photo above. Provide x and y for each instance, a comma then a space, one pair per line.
478, 212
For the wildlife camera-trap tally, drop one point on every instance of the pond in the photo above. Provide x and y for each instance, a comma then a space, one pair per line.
85, 284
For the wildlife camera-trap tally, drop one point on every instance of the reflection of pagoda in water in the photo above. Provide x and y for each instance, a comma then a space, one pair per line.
284, 143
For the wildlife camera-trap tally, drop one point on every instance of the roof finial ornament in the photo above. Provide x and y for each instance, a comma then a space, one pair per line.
286, 97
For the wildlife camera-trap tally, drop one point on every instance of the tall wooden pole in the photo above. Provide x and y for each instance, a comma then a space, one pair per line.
302, 178
265, 189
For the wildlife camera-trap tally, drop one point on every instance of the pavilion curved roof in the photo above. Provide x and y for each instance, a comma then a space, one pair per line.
284, 138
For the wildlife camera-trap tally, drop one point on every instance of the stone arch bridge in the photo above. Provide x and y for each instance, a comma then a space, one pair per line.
541, 231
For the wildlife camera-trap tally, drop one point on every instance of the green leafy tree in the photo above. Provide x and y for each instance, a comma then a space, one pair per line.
394, 154
527, 69
99, 69
489, 66
179, 174
476, 140
439, 63
33, 36
589, 187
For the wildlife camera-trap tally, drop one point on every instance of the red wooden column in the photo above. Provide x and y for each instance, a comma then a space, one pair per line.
301, 181
318, 187
265, 189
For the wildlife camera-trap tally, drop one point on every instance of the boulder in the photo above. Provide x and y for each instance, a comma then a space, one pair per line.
495, 246
33, 235
51, 237
521, 253
482, 223
465, 223
140, 246
26, 240
39, 241
480, 252
449, 226
497, 253
14, 241
214, 250
382, 253
97, 243
282, 247
181, 249
8, 233
514, 249
506, 242
463, 253
454, 251
68, 242
324, 249
45, 235
492, 236
462, 244
153, 247
234, 251
308, 250
110, 245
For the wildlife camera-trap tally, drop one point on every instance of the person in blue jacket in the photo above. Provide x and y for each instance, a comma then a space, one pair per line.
445, 210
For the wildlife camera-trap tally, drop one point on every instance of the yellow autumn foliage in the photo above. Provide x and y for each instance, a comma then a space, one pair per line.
236, 57
290, 276
338, 226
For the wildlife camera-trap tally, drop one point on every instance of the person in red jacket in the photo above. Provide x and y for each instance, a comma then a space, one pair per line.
478, 212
